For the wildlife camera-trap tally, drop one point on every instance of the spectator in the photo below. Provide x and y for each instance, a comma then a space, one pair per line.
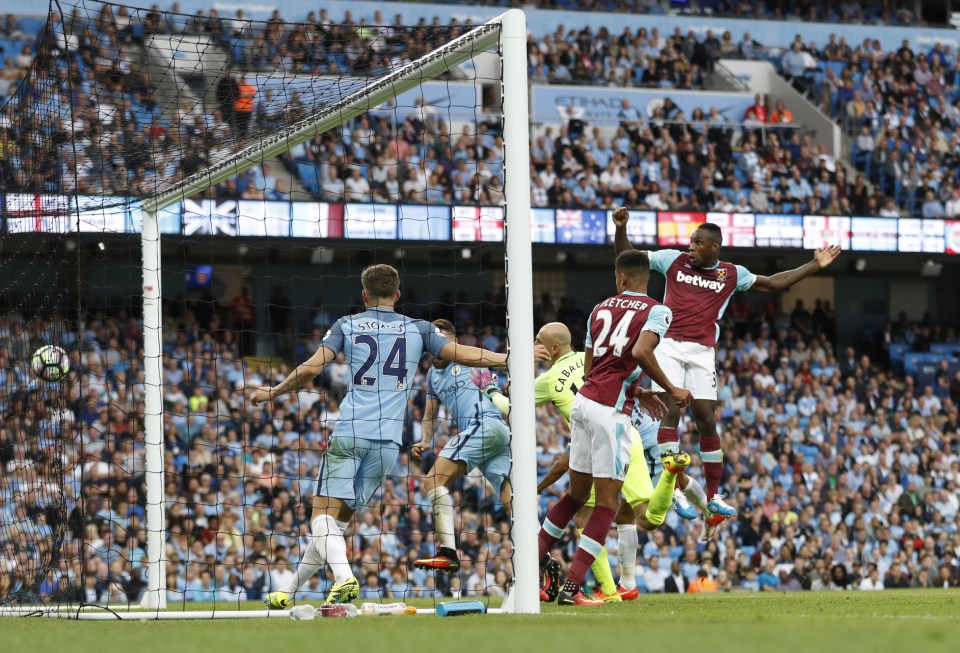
243, 106
932, 207
654, 577
749, 48
702, 583
781, 115
896, 579
675, 583
796, 64
759, 200
758, 110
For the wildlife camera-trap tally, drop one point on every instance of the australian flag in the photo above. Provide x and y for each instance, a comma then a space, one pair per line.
586, 227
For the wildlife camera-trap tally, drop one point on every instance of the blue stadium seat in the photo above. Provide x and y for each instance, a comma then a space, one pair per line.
945, 349
836, 66
912, 361
898, 350
309, 175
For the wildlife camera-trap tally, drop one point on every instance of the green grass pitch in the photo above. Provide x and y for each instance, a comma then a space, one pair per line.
848, 622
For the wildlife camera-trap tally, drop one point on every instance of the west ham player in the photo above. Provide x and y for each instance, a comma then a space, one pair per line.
383, 350
622, 331
698, 289
642, 503
483, 441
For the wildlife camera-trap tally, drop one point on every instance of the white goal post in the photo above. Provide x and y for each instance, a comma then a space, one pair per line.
507, 31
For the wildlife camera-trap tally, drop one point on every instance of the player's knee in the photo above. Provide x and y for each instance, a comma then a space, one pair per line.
642, 517
428, 483
672, 417
706, 419
624, 515
579, 495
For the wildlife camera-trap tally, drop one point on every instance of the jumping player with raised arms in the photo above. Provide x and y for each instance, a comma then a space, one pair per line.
698, 289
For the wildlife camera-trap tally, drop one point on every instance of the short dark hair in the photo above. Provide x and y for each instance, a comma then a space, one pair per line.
633, 263
445, 325
713, 230
380, 281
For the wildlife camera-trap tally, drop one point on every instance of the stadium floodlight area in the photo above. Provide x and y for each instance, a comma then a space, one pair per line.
193, 202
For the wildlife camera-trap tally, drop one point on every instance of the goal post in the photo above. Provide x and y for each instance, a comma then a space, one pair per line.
513, 38
508, 33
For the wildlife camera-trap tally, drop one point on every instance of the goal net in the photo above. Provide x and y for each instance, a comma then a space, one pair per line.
188, 203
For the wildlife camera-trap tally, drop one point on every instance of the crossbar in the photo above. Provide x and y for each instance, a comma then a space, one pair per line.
482, 38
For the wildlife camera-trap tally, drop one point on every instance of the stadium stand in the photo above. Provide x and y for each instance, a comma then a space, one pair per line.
846, 467
841, 465
463, 171
900, 101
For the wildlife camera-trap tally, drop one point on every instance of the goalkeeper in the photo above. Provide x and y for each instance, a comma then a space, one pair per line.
641, 505
483, 441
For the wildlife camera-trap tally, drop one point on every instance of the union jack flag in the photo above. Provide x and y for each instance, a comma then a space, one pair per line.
569, 219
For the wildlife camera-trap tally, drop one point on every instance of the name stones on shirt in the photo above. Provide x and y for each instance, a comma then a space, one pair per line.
399, 327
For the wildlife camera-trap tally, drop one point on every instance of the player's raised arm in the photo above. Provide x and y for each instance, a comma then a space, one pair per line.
620, 241
784, 280
472, 356
298, 378
430, 412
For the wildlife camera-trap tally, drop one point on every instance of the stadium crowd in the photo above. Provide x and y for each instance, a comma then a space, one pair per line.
901, 107
850, 13
845, 472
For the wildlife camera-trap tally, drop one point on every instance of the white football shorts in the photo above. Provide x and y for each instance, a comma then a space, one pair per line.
688, 365
599, 439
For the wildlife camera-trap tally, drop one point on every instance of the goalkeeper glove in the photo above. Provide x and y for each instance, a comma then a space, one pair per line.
485, 380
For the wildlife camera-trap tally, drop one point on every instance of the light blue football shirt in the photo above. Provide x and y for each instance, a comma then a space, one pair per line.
646, 426
383, 350
453, 387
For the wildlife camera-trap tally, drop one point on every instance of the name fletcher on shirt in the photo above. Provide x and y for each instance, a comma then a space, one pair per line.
700, 282
620, 302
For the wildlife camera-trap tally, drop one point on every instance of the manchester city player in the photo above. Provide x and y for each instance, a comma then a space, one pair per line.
383, 350
483, 442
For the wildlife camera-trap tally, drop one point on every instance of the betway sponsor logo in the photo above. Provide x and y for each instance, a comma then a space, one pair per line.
700, 282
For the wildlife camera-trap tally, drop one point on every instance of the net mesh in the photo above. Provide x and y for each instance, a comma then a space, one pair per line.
37, 308
123, 104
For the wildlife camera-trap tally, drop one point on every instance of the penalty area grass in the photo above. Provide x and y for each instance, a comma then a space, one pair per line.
906, 621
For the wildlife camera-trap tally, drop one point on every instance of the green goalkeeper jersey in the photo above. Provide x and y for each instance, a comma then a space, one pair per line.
560, 384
